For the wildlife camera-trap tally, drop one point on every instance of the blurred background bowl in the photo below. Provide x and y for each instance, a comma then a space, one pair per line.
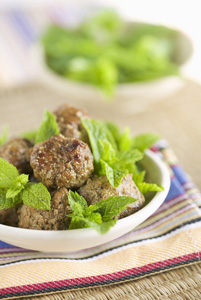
129, 98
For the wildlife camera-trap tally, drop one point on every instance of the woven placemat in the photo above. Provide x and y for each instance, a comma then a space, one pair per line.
181, 284
177, 119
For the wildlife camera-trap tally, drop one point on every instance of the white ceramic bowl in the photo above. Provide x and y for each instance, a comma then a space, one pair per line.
129, 98
79, 239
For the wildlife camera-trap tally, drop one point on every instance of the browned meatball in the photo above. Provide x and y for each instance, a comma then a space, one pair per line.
69, 121
98, 188
9, 216
16, 152
61, 161
55, 219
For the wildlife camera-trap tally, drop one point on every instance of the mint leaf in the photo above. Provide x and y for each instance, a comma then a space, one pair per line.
36, 195
98, 216
125, 141
145, 187
78, 222
29, 135
144, 141
97, 131
85, 222
119, 167
8, 173
130, 156
138, 177
112, 206
14, 189
77, 203
17, 186
6, 203
105, 139
108, 152
113, 174
48, 127
82, 216
4, 135
114, 130
105, 226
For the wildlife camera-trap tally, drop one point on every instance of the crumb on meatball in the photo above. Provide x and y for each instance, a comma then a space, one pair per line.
16, 152
54, 219
9, 216
61, 161
69, 121
98, 188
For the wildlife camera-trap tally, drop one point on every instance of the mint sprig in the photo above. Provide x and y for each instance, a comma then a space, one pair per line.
117, 154
99, 216
15, 189
48, 127
36, 195
7, 202
17, 186
108, 159
8, 173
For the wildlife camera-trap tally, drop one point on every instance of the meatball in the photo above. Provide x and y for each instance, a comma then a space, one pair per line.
61, 161
69, 122
98, 188
9, 216
55, 219
16, 152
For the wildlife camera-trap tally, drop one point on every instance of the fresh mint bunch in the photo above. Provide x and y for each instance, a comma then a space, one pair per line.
105, 51
99, 216
108, 160
15, 189
117, 154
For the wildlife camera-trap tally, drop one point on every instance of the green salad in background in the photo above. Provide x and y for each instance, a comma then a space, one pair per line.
104, 51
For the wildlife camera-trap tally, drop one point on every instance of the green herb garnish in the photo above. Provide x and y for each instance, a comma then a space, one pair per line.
15, 189
144, 141
116, 154
99, 216
48, 127
108, 160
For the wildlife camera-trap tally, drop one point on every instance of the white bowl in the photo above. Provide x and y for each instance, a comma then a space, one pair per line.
79, 239
129, 98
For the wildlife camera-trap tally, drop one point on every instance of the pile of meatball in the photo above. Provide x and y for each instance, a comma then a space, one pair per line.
62, 162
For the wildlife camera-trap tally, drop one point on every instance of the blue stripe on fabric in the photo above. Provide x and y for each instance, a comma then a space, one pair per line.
175, 189
5, 245
180, 174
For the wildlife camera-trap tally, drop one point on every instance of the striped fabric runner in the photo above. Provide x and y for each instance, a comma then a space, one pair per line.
170, 238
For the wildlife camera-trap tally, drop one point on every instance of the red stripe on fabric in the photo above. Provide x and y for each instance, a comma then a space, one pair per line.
99, 278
